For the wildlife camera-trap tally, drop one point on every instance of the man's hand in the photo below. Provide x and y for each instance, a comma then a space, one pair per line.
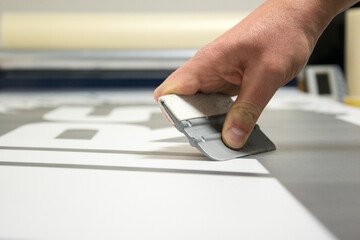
254, 59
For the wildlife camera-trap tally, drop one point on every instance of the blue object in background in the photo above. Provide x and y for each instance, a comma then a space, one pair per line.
30, 79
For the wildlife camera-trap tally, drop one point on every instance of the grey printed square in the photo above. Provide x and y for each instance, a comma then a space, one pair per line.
78, 134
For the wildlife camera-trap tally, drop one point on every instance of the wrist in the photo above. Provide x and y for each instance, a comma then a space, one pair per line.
310, 17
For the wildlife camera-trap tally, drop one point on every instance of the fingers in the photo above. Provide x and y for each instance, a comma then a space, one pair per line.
183, 81
256, 91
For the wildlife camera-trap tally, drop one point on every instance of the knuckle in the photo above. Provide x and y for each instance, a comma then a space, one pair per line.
189, 85
249, 112
279, 70
275, 67
212, 52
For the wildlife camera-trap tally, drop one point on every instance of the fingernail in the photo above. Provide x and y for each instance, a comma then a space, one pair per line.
235, 137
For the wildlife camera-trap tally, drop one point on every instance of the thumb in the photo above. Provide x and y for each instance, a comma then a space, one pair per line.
254, 94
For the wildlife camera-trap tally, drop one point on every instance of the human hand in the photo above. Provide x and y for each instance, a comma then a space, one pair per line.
252, 60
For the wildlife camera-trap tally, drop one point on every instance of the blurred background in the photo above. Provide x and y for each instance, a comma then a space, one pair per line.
114, 43
108, 43
128, 6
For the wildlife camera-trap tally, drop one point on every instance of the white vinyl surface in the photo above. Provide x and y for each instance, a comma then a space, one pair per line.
129, 182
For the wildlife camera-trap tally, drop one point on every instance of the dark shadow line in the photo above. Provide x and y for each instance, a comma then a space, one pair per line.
134, 169
177, 154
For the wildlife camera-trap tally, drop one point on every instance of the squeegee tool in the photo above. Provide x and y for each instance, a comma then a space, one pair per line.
200, 118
